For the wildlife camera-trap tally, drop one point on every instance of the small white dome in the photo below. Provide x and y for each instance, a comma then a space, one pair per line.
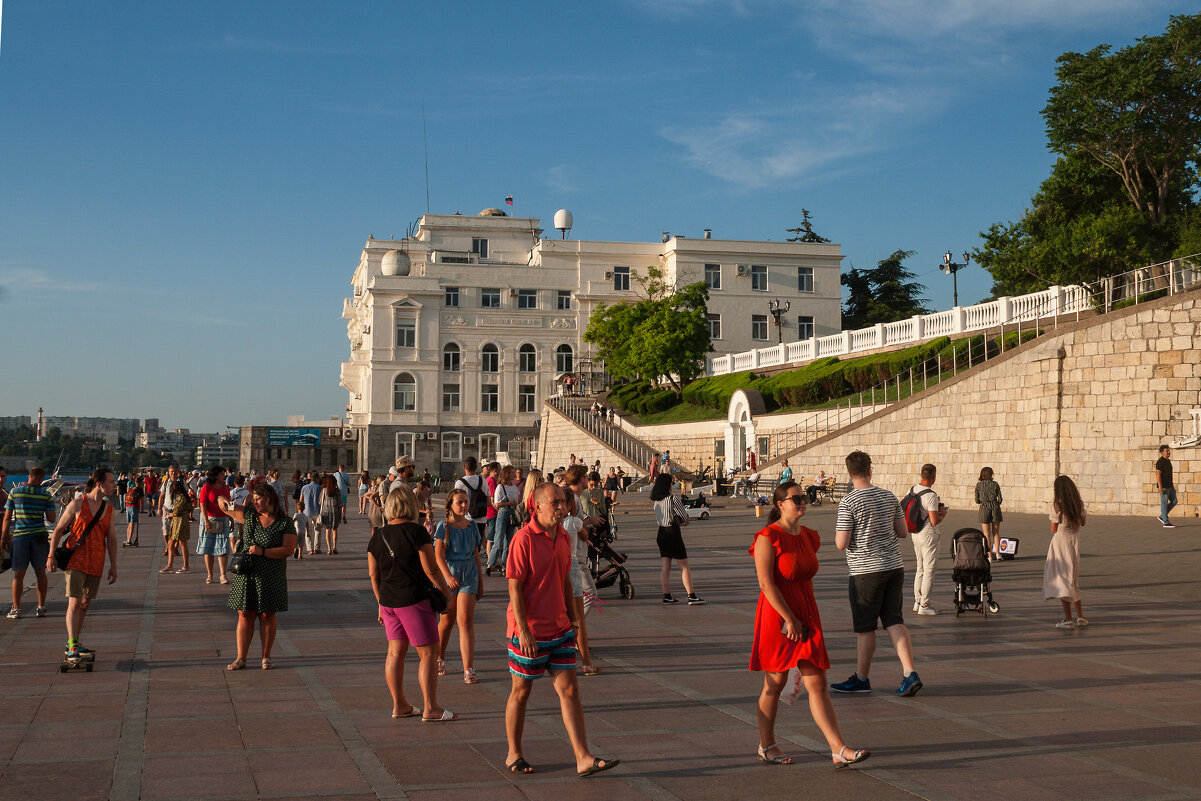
563, 220
395, 263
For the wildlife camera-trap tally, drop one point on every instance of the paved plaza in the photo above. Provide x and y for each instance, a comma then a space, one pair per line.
1012, 708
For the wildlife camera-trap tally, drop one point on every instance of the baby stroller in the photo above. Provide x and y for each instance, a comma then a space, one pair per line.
971, 573
612, 571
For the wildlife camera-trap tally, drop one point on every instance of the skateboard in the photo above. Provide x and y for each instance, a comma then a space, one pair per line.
84, 661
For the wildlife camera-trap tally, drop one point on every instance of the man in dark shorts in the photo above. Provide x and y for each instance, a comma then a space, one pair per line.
870, 524
540, 630
26, 511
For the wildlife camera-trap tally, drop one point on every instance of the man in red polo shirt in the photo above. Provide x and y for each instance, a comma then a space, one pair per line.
540, 631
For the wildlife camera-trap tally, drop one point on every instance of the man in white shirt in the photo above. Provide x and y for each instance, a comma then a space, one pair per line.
925, 541
473, 484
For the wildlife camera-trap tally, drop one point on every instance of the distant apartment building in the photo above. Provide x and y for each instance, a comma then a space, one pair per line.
459, 332
93, 427
181, 445
15, 422
211, 452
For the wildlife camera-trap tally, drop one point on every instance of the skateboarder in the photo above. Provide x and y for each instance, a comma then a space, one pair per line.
87, 563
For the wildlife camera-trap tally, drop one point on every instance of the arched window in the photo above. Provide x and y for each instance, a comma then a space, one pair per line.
404, 393
527, 359
564, 359
490, 359
451, 358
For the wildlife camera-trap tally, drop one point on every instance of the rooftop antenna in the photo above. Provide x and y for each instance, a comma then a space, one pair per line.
425, 138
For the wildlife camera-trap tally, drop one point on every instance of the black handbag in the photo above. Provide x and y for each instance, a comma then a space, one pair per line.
241, 563
63, 554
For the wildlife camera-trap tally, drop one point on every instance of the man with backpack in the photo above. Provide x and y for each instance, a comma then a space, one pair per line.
923, 512
477, 492
870, 523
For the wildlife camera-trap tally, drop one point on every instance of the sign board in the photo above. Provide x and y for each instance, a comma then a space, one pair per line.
292, 437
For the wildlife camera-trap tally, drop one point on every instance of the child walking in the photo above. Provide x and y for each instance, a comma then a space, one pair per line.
1061, 578
302, 524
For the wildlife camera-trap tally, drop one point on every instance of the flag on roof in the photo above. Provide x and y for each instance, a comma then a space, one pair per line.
509, 199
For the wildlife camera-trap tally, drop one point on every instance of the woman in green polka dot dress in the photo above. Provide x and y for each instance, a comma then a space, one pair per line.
269, 536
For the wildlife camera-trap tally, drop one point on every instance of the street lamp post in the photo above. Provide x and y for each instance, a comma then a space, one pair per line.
951, 268
777, 311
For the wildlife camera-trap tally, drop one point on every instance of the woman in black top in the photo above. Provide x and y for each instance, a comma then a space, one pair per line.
670, 515
400, 559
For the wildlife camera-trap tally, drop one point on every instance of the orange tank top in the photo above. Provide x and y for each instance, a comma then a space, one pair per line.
89, 557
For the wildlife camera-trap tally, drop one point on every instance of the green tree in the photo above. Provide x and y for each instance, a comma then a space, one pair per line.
883, 295
1080, 228
805, 232
859, 296
1127, 126
664, 334
1136, 111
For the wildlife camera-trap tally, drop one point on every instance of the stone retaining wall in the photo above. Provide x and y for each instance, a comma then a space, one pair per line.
1094, 401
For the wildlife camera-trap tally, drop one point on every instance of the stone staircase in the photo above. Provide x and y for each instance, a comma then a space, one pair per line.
578, 410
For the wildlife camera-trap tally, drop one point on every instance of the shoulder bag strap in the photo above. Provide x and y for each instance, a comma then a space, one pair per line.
95, 518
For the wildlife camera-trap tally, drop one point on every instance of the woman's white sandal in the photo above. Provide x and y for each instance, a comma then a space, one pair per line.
856, 756
780, 759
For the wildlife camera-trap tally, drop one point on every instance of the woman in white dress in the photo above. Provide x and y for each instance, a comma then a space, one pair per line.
1061, 577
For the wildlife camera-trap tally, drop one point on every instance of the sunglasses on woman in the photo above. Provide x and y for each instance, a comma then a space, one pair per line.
797, 500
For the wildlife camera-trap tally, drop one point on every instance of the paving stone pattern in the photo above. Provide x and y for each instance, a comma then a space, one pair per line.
1012, 707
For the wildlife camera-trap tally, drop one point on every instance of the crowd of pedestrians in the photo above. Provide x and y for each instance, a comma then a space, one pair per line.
427, 570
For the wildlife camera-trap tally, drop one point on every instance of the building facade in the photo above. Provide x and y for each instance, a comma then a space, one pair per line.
460, 331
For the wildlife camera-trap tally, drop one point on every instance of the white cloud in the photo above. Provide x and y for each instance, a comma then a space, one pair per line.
561, 178
25, 279
890, 66
755, 148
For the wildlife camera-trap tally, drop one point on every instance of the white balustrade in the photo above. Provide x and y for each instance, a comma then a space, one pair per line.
1051, 302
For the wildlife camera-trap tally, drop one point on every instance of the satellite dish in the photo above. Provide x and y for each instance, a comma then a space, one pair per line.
563, 221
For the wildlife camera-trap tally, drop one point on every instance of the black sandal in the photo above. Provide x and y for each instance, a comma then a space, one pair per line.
597, 767
519, 765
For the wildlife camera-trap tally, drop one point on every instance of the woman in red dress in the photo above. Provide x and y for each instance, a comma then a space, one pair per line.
788, 629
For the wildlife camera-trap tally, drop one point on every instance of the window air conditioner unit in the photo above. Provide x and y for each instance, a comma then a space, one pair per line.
431, 435
468, 440
335, 433
350, 434
742, 269
512, 293
608, 275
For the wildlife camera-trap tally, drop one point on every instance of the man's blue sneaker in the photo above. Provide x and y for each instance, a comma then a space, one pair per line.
853, 685
909, 685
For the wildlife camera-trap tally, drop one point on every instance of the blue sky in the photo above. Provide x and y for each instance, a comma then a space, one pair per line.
185, 186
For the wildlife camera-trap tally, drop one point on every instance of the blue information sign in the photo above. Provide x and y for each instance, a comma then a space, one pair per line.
291, 437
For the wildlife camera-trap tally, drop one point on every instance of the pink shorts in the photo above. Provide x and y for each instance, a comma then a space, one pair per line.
416, 624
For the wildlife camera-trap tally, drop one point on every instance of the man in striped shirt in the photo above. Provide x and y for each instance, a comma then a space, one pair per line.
24, 529
870, 524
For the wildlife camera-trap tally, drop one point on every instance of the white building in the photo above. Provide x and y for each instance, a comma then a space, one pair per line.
457, 333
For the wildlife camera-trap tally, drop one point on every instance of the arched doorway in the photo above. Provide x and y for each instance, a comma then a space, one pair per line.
740, 426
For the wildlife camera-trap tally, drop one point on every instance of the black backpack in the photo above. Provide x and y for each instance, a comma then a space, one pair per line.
477, 499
